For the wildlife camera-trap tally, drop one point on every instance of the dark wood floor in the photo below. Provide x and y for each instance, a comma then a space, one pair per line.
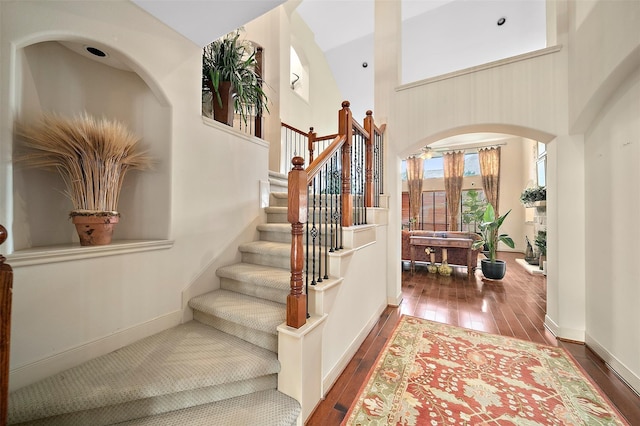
513, 307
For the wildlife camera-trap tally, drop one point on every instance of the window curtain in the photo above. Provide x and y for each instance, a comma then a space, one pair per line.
490, 170
415, 174
453, 173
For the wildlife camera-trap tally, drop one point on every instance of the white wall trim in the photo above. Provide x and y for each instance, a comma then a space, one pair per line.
488, 65
344, 360
29, 373
618, 367
69, 252
235, 132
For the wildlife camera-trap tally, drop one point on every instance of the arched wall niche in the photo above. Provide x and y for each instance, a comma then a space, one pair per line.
59, 75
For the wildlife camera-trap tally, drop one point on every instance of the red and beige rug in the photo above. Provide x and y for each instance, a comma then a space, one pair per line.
436, 374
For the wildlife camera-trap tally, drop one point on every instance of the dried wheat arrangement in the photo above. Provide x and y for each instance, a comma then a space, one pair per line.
92, 156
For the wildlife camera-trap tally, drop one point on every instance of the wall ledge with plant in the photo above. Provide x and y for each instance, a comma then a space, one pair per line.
534, 197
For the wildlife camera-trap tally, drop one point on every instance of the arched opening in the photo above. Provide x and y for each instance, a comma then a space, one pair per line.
523, 161
68, 77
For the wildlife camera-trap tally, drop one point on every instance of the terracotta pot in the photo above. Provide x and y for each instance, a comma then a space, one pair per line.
95, 229
223, 113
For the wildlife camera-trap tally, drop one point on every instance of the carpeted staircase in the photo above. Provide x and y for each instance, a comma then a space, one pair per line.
219, 369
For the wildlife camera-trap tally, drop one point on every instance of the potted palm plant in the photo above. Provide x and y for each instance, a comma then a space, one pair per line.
493, 268
92, 156
230, 73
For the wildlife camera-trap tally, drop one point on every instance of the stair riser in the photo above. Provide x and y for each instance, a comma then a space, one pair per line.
277, 200
282, 261
277, 218
259, 338
285, 237
266, 260
158, 405
268, 293
281, 217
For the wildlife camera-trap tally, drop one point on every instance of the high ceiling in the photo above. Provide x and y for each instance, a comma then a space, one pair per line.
354, 18
447, 34
203, 21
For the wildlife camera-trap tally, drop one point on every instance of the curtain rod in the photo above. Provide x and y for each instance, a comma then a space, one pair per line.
467, 148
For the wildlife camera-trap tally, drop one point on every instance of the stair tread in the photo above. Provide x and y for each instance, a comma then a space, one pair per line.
188, 356
267, 276
249, 311
267, 408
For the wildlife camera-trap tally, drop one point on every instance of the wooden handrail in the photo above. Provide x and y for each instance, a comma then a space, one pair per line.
300, 179
6, 289
361, 129
285, 125
326, 138
317, 164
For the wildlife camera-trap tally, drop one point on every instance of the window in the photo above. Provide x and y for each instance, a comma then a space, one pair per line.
433, 213
434, 167
299, 78
541, 166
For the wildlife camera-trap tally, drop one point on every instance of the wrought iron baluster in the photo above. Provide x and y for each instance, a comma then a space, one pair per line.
319, 213
325, 218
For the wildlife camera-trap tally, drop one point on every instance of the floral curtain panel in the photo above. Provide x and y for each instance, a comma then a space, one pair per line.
453, 173
415, 174
490, 170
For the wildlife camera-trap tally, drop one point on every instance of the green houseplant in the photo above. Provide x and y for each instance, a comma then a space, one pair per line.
473, 209
531, 195
541, 243
230, 73
92, 156
492, 267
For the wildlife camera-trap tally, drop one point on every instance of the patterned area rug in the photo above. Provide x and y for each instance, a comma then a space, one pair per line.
436, 374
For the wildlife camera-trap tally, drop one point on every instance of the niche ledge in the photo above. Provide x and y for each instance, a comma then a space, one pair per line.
70, 252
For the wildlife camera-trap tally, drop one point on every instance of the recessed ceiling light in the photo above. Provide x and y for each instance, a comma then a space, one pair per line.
501, 21
95, 51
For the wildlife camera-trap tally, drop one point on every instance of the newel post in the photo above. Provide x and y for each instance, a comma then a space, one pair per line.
311, 139
6, 283
297, 217
345, 127
368, 160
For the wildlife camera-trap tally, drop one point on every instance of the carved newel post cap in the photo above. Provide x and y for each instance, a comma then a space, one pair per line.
297, 162
346, 104
369, 113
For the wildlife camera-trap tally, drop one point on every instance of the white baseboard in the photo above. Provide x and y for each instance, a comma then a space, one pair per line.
625, 374
572, 334
342, 363
551, 325
38, 370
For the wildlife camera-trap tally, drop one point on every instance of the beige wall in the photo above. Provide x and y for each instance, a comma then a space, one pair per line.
321, 110
612, 151
560, 97
104, 300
